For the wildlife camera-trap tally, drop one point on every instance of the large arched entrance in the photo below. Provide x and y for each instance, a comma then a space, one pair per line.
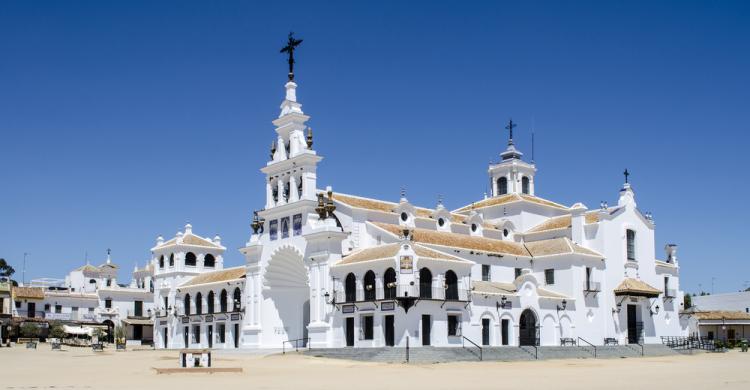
287, 288
527, 329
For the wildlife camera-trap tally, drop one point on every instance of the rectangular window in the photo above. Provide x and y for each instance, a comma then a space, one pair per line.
47, 307
108, 303
631, 244
166, 303
549, 276
367, 327
485, 272
518, 273
222, 333
454, 322
91, 309
58, 309
273, 228
297, 223
18, 304
285, 227
197, 334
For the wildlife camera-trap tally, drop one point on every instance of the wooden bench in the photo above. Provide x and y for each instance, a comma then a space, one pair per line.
56, 346
610, 341
567, 341
31, 345
97, 347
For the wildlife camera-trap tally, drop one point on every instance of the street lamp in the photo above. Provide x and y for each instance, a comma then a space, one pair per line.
563, 306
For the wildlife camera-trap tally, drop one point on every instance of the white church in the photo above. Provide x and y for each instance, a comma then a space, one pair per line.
337, 270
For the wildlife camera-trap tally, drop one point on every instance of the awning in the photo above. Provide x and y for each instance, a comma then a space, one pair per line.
636, 288
78, 330
134, 321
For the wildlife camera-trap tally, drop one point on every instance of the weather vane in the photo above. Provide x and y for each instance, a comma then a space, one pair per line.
291, 45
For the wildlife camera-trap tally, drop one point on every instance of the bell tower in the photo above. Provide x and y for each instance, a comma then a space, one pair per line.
512, 175
291, 171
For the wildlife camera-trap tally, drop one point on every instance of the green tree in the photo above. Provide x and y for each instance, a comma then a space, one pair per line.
688, 300
29, 330
5, 269
56, 330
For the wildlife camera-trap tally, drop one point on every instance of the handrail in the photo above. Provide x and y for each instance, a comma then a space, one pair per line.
586, 341
473, 343
296, 344
536, 350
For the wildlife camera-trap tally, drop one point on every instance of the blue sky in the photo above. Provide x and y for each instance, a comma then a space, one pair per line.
120, 121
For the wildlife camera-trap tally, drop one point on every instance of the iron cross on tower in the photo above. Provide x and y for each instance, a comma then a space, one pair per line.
510, 127
626, 173
291, 45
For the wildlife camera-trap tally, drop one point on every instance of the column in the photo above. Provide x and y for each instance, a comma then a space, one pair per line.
293, 196
280, 191
269, 194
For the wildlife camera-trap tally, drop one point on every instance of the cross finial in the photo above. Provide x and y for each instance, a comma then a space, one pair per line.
510, 127
291, 45
109, 251
440, 199
626, 173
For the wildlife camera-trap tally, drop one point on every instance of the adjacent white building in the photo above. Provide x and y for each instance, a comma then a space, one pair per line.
91, 295
337, 270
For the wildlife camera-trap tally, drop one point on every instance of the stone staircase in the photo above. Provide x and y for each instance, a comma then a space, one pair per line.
427, 355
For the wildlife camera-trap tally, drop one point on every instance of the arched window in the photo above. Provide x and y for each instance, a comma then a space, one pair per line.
187, 304
630, 235
525, 185
161, 261
370, 286
451, 286
425, 283
171, 260
389, 284
199, 303
190, 259
209, 261
210, 302
350, 288
502, 186
237, 299
223, 301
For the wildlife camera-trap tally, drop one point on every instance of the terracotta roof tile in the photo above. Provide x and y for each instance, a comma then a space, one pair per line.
492, 288
456, 240
721, 315
563, 222
28, 292
391, 250
630, 286
509, 198
216, 276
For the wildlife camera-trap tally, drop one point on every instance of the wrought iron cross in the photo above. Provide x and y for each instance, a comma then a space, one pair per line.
510, 127
291, 45
626, 173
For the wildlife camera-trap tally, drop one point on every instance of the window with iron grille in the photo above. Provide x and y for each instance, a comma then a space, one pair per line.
549, 276
485, 272
631, 244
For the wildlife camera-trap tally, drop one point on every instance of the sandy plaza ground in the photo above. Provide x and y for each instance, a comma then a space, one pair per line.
84, 369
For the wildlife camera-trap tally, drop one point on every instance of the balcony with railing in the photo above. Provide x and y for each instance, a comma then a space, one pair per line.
378, 293
591, 286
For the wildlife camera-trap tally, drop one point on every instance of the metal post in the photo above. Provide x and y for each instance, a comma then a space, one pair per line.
407, 349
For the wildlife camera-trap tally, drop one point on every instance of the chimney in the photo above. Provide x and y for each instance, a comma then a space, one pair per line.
577, 222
